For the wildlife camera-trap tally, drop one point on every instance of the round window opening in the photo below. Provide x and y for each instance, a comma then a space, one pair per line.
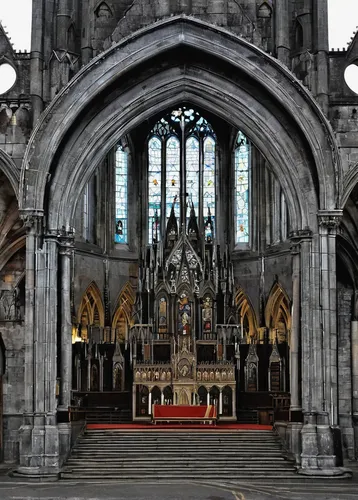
351, 77
7, 77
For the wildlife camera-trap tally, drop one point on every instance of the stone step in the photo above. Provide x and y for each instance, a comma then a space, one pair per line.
138, 476
176, 455
169, 460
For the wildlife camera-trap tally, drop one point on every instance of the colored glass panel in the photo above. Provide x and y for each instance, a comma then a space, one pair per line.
192, 173
121, 230
209, 178
154, 188
242, 186
172, 176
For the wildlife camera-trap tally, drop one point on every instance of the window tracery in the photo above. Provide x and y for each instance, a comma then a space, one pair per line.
181, 171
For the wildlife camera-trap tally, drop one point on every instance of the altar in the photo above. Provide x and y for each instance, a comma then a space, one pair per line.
184, 413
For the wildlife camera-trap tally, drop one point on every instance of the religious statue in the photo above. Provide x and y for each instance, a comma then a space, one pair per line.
184, 316
207, 315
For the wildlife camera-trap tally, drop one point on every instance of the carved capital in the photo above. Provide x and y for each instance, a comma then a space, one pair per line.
31, 219
330, 219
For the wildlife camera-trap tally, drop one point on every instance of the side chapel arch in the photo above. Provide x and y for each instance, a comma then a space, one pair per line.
246, 314
308, 178
122, 318
91, 310
278, 314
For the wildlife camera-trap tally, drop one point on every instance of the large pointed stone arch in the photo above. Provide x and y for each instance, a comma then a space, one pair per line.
112, 94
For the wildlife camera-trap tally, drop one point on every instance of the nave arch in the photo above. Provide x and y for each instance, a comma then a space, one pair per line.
307, 166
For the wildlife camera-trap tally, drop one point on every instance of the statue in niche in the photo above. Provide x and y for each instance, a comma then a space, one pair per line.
207, 315
162, 376
172, 282
169, 375
117, 377
162, 315
184, 315
198, 375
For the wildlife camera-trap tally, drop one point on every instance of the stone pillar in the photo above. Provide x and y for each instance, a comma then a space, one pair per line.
221, 401
37, 57
282, 31
208, 398
233, 404
39, 438
355, 382
66, 255
294, 426
320, 15
295, 332
162, 398
320, 433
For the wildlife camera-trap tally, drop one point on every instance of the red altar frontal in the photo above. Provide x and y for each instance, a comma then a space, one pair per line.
184, 413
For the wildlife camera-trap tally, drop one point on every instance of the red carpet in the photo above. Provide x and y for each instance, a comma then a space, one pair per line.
203, 427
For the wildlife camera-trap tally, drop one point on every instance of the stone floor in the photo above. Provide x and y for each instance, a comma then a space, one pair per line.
300, 488
309, 489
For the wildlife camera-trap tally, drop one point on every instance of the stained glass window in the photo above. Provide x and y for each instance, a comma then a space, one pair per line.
172, 176
182, 133
209, 178
121, 230
154, 188
242, 187
192, 173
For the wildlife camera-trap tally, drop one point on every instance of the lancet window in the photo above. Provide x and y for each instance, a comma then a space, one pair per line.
181, 171
121, 203
242, 188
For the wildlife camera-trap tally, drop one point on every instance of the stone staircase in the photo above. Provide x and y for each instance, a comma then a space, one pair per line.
191, 454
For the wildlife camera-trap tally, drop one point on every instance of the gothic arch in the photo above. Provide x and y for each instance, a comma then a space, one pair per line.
124, 304
91, 310
308, 165
278, 311
245, 310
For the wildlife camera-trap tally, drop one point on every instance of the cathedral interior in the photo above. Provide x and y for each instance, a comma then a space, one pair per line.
179, 224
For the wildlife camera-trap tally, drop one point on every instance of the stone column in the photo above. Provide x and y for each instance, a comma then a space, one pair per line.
295, 425
39, 440
37, 57
282, 31
321, 48
355, 382
328, 223
162, 398
208, 398
66, 256
221, 401
295, 331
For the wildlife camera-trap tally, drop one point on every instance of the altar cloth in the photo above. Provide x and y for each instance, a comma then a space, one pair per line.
184, 411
